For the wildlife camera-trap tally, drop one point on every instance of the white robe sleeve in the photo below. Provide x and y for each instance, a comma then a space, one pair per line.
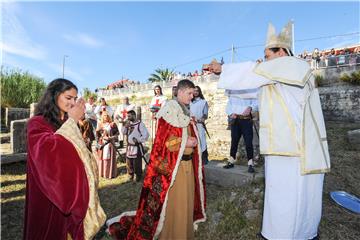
240, 76
144, 133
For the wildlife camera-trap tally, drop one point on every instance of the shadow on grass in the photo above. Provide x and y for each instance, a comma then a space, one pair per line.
13, 182
116, 197
12, 211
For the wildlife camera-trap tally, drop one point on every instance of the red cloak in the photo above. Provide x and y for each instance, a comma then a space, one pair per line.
57, 191
147, 223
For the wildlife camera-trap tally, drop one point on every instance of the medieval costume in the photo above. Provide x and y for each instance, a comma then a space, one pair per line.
199, 109
157, 102
120, 116
137, 134
103, 108
87, 132
61, 186
172, 199
292, 138
90, 114
106, 149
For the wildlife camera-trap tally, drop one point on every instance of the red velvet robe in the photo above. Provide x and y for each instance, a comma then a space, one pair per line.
57, 191
156, 185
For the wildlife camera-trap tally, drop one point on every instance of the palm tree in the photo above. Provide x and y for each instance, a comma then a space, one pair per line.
161, 75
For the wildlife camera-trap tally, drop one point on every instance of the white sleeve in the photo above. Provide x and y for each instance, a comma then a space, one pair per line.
144, 133
124, 130
240, 76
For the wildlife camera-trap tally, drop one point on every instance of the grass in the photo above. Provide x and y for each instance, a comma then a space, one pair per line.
226, 207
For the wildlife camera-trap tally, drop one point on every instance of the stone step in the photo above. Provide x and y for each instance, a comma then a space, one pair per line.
233, 177
11, 158
5, 138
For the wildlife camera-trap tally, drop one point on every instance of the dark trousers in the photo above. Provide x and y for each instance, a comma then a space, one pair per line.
205, 157
242, 127
134, 166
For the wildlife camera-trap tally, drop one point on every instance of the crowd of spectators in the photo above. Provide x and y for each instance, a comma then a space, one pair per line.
332, 58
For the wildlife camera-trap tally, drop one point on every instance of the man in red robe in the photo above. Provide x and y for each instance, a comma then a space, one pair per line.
172, 200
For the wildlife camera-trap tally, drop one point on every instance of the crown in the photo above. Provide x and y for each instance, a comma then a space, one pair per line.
283, 40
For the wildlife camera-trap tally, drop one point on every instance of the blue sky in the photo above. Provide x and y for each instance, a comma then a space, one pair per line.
106, 41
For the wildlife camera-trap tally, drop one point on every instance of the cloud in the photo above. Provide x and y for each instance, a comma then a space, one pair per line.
83, 39
15, 38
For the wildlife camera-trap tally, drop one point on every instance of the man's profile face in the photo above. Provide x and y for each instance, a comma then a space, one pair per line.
131, 116
185, 95
269, 55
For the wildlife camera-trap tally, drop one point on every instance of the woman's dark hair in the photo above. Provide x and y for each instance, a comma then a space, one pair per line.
158, 86
104, 101
276, 49
47, 106
200, 92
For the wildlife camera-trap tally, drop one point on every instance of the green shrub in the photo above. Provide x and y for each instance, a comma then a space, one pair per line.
19, 89
318, 80
353, 78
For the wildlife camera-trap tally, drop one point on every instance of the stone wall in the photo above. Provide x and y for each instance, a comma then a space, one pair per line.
16, 114
341, 103
331, 75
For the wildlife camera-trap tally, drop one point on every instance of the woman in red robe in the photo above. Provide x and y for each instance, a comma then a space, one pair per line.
175, 165
61, 182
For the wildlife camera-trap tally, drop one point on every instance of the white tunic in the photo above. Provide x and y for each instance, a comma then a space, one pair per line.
158, 101
138, 131
293, 197
120, 116
199, 108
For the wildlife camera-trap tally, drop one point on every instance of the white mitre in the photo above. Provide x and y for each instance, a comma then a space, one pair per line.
283, 40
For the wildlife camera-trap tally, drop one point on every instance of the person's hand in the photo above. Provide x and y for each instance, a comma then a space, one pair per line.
78, 110
127, 124
233, 115
191, 142
247, 111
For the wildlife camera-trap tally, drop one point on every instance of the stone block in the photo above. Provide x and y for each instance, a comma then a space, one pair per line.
32, 109
354, 139
11, 158
15, 114
18, 136
233, 177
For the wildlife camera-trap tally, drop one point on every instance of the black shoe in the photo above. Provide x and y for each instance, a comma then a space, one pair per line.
228, 165
251, 169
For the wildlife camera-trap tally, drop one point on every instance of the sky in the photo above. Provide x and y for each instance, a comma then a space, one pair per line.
103, 42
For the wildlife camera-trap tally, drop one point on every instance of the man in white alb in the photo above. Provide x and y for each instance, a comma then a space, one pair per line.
292, 137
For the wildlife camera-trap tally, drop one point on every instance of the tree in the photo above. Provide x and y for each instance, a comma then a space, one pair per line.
20, 89
87, 93
161, 75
